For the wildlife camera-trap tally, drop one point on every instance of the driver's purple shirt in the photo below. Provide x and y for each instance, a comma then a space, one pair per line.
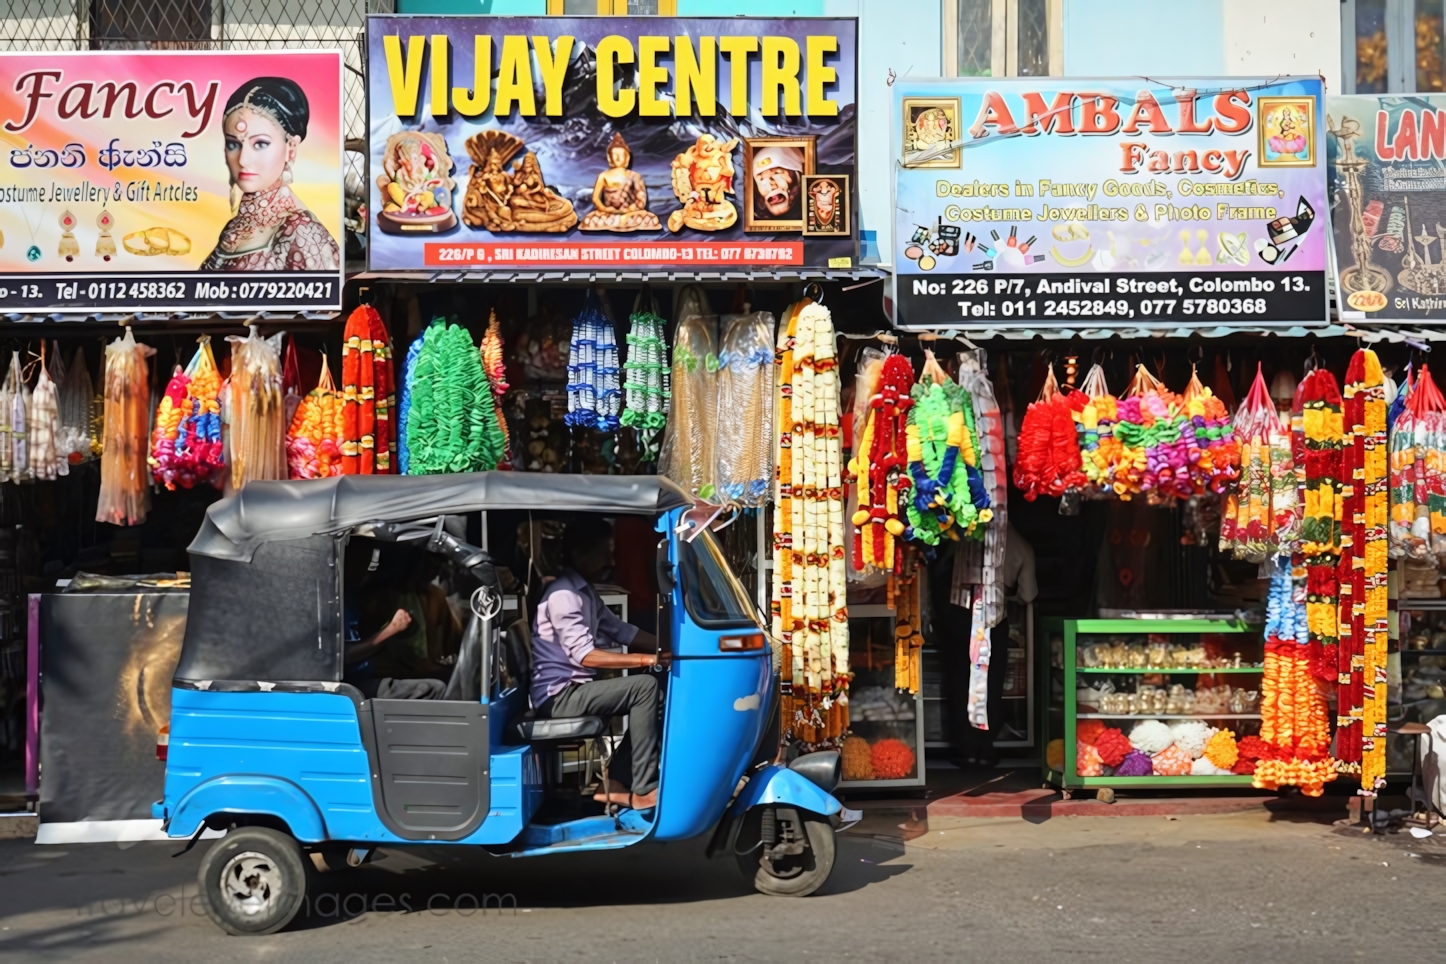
571, 622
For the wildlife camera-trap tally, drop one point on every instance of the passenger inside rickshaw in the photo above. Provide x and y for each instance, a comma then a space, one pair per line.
403, 623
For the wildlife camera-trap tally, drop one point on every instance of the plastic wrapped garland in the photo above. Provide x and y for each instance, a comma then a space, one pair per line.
495, 365
880, 468
186, 446
368, 395
744, 418
1173, 761
1322, 515
313, 442
1191, 736
908, 620
257, 410
1135, 764
76, 396
167, 429
451, 424
949, 499
1222, 751
1113, 746
1260, 517
1361, 660
645, 384
979, 570
594, 385
1048, 460
47, 462
1418, 473
688, 447
124, 475
1087, 762
810, 616
1208, 428
14, 438
1150, 736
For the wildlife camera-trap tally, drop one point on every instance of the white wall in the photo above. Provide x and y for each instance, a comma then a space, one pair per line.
1283, 37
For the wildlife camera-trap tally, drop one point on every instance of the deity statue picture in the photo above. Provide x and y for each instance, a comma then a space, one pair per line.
416, 185
264, 123
931, 124
826, 204
1287, 131
500, 199
702, 179
620, 198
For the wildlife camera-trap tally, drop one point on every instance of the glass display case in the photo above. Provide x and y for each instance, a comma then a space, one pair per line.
885, 746
1121, 672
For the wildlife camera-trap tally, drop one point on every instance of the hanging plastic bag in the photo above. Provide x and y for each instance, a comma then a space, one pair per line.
1416, 478
1260, 517
688, 454
744, 416
76, 394
258, 413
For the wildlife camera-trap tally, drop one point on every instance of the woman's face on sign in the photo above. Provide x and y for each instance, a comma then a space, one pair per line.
257, 150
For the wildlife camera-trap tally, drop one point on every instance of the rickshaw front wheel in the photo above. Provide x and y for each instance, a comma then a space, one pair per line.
252, 881
793, 874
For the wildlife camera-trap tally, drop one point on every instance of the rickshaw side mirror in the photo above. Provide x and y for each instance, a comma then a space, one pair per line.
666, 582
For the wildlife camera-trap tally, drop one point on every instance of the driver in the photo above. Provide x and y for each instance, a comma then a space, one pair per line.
574, 635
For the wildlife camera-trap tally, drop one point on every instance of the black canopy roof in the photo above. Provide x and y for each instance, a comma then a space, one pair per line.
277, 511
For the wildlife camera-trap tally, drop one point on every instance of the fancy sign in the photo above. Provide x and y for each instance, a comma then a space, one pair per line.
1041, 201
503, 141
185, 181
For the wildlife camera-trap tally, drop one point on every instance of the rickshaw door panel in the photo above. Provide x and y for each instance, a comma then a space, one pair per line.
430, 762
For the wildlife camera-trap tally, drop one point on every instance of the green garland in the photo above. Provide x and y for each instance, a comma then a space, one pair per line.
451, 422
945, 487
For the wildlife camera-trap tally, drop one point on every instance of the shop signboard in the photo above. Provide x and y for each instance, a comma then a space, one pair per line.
1389, 187
566, 143
1053, 202
170, 181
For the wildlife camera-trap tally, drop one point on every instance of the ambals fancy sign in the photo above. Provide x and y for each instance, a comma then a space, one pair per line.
146, 181
1386, 168
1050, 202
640, 142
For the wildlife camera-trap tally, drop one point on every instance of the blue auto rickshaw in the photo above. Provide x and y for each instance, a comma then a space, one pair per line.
299, 768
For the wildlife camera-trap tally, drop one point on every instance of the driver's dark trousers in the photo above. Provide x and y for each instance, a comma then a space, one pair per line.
635, 763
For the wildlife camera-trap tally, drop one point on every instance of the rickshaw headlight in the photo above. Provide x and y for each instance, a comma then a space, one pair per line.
736, 644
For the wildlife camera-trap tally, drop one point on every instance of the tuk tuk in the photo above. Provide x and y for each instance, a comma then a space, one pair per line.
300, 769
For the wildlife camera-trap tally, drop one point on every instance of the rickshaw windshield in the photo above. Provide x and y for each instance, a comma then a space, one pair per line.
712, 594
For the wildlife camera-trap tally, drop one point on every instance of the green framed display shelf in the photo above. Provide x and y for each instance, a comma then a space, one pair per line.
1066, 675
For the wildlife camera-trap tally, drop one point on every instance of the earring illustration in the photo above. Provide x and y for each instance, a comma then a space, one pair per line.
286, 174
105, 244
69, 246
235, 196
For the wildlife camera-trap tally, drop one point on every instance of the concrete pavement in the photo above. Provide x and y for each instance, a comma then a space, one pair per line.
1226, 888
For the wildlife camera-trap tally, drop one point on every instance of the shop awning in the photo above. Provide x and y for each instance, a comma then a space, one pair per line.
171, 319
782, 274
1370, 334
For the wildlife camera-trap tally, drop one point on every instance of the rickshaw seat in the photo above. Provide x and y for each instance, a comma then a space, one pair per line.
560, 729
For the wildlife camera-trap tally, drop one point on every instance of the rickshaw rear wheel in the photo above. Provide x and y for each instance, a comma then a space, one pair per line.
794, 875
252, 881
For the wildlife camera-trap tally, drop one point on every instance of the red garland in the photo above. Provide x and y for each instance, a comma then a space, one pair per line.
1113, 747
1350, 655
888, 456
892, 759
1049, 460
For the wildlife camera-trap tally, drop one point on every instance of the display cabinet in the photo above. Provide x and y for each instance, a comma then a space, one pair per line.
885, 747
1124, 671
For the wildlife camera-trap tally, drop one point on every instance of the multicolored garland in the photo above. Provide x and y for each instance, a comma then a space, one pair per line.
368, 395
1321, 523
878, 465
949, 498
1100, 451
1260, 518
810, 612
313, 442
1418, 472
1361, 700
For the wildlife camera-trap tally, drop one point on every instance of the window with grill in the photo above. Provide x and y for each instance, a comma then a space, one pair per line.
615, 8
152, 24
1003, 38
1392, 46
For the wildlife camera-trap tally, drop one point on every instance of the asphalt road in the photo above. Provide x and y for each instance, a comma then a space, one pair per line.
1204, 889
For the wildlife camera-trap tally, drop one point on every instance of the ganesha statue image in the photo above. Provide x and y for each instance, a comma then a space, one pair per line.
416, 185
500, 198
702, 177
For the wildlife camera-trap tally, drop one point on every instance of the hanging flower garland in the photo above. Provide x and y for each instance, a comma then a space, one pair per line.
1361, 663
409, 365
200, 451
368, 395
76, 394
745, 410
495, 365
908, 619
594, 389
783, 620
169, 413
313, 442
1095, 430
949, 498
1208, 427
451, 424
1048, 460
814, 580
1260, 518
1154, 454
645, 382
1418, 472
46, 460
878, 465
257, 409
1322, 514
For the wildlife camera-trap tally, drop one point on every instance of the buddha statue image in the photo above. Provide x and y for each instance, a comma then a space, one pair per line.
416, 184
500, 199
619, 197
702, 179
